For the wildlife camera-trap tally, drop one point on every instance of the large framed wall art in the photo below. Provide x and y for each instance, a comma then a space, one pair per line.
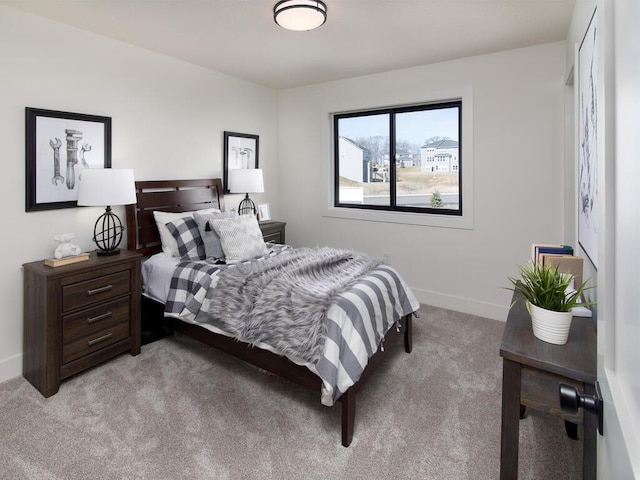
587, 146
59, 145
240, 152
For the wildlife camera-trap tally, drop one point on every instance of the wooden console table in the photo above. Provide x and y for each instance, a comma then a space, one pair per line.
532, 371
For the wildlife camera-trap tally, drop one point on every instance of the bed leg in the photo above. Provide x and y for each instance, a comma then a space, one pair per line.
408, 339
348, 400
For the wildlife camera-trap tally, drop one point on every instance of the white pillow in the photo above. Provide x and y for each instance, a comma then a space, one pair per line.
212, 245
240, 237
169, 245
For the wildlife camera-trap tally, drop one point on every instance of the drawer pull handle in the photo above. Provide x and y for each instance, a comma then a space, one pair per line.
97, 318
95, 291
100, 339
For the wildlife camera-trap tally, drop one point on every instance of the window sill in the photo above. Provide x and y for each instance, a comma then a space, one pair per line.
444, 221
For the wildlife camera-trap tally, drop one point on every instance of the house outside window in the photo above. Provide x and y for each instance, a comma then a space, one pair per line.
424, 142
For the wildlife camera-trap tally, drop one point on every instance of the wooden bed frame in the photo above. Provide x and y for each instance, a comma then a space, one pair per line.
189, 195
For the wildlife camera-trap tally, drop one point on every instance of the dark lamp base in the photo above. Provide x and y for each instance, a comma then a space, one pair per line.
247, 207
107, 233
106, 253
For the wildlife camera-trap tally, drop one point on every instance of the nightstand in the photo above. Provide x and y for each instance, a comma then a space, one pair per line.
532, 371
78, 315
272, 231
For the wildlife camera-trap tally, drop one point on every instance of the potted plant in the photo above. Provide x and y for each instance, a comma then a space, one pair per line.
549, 300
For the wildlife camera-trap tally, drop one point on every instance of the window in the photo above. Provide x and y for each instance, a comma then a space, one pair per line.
425, 174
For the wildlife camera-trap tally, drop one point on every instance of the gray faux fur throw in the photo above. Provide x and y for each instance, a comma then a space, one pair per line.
282, 300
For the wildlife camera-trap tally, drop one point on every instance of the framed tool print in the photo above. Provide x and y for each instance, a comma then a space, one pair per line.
59, 146
240, 151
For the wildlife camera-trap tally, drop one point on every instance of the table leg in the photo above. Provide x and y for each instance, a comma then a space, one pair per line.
589, 454
348, 400
571, 429
511, 383
408, 334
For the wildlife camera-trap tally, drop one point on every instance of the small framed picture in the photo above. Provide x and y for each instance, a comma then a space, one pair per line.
263, 212
59, 146
240, 152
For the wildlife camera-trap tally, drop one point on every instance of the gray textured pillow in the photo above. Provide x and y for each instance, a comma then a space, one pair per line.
212, 246
240, 237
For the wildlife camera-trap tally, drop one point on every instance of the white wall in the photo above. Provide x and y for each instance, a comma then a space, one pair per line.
517, 149
168, 118
168, 122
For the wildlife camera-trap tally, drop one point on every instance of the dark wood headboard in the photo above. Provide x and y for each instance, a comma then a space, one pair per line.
167, 196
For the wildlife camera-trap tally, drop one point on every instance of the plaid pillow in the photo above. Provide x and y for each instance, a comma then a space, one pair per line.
190, 245
162, 218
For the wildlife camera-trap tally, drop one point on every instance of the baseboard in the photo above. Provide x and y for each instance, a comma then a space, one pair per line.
10, 367
461, 304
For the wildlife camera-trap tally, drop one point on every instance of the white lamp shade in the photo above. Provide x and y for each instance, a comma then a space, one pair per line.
246, 181
106, 187
300, 15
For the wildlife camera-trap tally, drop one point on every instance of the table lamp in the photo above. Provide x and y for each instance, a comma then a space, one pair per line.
107, 187
246, 181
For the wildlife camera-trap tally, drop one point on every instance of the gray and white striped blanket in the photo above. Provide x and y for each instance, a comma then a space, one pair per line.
356, 310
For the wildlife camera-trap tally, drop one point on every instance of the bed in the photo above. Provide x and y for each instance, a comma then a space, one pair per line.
178, 196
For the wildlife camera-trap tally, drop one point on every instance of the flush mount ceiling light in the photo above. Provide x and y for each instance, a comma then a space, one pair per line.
300, 15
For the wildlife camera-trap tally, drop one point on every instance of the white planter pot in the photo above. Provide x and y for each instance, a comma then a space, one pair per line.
549, 326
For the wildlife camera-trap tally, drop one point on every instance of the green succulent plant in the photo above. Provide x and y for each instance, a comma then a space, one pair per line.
546, 288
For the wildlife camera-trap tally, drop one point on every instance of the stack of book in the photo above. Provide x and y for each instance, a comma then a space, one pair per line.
561, 256
59, 262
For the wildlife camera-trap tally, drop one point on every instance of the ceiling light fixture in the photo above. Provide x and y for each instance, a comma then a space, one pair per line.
300, 15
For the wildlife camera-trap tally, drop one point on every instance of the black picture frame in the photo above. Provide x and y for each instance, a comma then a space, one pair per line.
588, 140
52, 171
241, 150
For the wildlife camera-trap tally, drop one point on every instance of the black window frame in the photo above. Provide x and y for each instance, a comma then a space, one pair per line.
392, 112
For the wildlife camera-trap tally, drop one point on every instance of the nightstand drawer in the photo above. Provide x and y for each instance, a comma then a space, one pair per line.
273, 238
91, 320
272, 231
90, 343
95, 290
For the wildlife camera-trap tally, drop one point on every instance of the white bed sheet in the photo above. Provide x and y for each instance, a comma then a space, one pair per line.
156, 276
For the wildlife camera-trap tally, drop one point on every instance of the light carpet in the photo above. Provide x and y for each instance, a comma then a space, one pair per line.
182, 410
